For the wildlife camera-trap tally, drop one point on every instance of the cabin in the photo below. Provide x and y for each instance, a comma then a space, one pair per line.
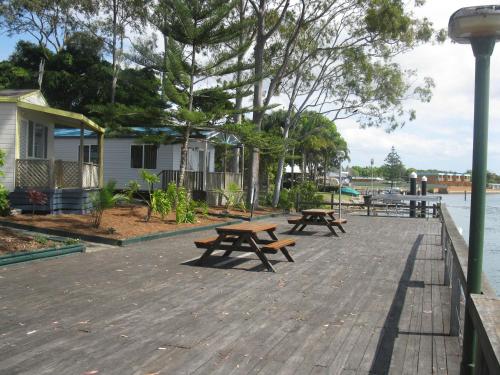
127, 154
27, 127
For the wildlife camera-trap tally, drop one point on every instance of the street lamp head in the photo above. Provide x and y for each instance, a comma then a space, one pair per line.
372, 161
413, 175
424, 179
475, 22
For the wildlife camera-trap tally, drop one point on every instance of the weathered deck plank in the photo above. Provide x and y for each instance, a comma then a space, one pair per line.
369, 302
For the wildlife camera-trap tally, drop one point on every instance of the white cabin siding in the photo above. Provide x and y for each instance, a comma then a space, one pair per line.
8, 124
117, 157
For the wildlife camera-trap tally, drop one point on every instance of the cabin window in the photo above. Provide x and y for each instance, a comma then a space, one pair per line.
90, 154
143, 156
37, 140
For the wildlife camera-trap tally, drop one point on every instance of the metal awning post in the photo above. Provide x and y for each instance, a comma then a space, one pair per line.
80, 154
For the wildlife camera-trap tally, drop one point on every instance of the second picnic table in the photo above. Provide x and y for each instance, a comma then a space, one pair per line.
244, 237
317, 216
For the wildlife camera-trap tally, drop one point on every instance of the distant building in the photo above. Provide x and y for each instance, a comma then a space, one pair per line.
494, 186
445, 178
446, 182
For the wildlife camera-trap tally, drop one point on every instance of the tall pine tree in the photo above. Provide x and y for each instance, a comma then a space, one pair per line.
193, 29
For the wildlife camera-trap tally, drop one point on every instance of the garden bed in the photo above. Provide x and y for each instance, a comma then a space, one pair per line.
17, 246
117, 223
13, 241
125, 225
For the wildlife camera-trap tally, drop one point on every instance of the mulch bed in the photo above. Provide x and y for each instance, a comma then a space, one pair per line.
12, 241
117, 223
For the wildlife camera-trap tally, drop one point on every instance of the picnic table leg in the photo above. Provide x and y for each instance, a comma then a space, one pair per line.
236, 244
205, 255
329, 226
211, 249
294, 228
283, 249
260, 254
338, 225
287, 255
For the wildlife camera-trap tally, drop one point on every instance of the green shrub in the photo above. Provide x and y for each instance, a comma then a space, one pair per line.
42, 240
131, 190
161, 203
200, 207
286, 200
102, 200
4, 201
72, 241
184, 210
4, 194
307, 194
234, 197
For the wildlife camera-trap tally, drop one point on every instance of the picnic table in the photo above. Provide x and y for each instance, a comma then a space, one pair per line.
245, 237
317, 216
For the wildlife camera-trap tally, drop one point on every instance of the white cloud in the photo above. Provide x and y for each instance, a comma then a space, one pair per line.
441, 136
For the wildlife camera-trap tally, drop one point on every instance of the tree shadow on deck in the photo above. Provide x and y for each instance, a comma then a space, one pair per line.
385, 346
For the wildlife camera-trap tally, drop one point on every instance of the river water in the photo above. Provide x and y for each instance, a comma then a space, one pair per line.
460, 211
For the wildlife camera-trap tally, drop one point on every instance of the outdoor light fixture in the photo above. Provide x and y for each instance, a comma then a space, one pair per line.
479, 26
474, 22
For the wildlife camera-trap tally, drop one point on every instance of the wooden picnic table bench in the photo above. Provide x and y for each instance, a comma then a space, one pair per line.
317, 216
244, 237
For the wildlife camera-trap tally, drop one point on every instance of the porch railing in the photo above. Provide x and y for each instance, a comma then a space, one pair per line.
195, 180
50, 174
455, 255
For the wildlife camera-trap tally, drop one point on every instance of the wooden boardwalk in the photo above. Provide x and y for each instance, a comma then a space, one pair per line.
369, 302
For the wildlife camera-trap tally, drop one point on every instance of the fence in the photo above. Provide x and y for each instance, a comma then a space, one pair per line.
50, 174
195, 180
455, 255
192, 180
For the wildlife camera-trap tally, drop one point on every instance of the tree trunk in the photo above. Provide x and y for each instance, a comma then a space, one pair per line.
187, 132
114, 52
164, 70
184, 156
279, 174
253, 175
303, 167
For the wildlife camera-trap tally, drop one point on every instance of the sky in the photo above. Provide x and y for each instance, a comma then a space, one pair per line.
441, 135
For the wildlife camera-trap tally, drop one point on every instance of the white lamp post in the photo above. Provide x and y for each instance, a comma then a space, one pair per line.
340, 157
371, 163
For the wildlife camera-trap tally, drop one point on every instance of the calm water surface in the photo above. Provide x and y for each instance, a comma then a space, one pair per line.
460, 211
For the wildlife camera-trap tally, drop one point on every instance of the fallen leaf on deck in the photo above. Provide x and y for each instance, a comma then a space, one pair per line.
31, 332
91, 372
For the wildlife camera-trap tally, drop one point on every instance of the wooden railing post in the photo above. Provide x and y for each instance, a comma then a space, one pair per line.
455, 302
52, 172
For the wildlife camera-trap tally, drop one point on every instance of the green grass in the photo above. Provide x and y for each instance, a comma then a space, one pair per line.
327, 197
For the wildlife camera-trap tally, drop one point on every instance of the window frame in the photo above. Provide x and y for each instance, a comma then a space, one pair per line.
87, 153
31, 140
143, 155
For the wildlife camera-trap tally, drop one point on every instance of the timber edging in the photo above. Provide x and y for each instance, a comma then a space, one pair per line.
130, 240
41, 254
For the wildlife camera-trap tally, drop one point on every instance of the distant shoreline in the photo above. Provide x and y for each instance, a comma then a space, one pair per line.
488, 191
